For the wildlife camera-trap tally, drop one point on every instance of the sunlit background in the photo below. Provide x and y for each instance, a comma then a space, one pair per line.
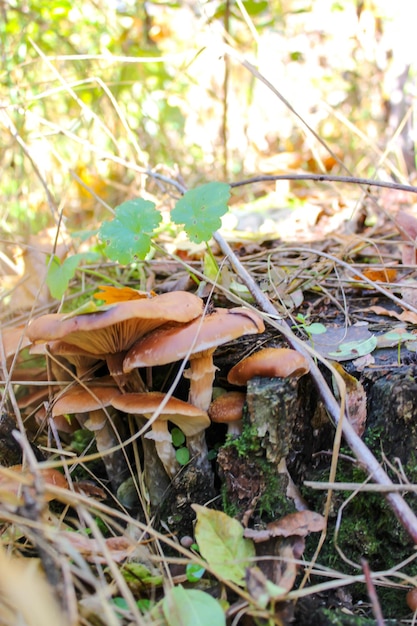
95, 93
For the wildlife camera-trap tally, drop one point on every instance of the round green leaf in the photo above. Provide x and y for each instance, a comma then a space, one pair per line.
128, 235
200, 210
182, 455
178, 437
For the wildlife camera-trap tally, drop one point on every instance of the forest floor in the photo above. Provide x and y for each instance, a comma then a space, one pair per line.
327, 545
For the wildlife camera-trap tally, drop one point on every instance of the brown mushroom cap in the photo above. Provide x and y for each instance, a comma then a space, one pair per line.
93, 400
85, 400
189, 418
227, 408
13, 339
269, 362
166, 345
117, 327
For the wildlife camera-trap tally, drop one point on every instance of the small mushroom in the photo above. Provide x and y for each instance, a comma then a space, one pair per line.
94, 400
269, 362
190, 419
228, 409
110, 332
198, 340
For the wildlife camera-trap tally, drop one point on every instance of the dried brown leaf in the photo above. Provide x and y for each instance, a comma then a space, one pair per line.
355, 400
404, 316
119, 548
407, 225
300, 523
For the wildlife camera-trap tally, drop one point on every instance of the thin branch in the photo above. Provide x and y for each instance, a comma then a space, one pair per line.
321, 178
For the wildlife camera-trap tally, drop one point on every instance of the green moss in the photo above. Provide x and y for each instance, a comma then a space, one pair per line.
273, 502
368, 529
230, 508
335, 617
247, 444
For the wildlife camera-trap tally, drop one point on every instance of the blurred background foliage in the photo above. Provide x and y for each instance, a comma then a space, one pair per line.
96, 93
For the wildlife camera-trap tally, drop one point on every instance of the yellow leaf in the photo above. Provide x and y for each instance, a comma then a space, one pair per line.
111, 294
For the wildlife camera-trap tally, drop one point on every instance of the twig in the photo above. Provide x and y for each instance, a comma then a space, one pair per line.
376, 607
324, 486
321, 178
365, 457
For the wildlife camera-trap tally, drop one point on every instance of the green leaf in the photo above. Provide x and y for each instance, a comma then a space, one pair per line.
128, 235
191, 607
178, 437
138, 576
315, 329
200, 210
143, 605
194, 572
354, 349
221, 543
120, 603
59, 274
182, 455
399, 336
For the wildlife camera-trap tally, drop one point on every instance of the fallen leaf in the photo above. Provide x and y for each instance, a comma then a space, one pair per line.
119, 547
407, 225
384, 275
394, 337
344, 343
404, 316
300, 523
409, 292
137, 575
363, 361
89, 489
191, 607
261, 589
26, 596
355, 400
13, 478
221, 544
110, 294
29, 286
278, 564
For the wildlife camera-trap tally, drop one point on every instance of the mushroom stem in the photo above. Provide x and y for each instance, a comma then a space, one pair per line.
131, 382
106, 438
155, 476
234, 429
201, 376
163, 444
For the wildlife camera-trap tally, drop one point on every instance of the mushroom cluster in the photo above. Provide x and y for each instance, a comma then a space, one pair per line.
122, 339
